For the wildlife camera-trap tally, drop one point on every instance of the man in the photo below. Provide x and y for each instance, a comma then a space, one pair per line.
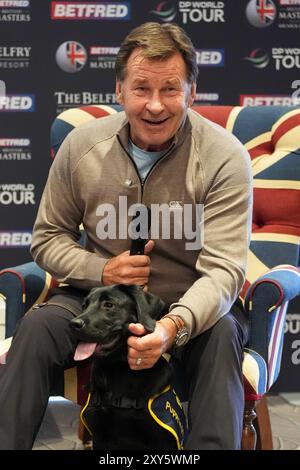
157, 151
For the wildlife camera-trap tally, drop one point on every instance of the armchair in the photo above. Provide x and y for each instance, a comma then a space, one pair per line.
271, 135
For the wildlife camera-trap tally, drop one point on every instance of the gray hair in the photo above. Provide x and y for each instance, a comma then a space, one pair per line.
158, 41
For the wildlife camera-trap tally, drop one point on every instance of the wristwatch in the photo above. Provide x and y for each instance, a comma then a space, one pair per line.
182, 334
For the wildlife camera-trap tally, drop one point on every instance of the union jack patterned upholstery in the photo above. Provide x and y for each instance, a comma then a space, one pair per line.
272, 137
271, 134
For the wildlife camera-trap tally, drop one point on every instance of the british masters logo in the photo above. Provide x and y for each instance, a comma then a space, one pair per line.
71, 56
14, 11
261, 13
103, 57
15, 149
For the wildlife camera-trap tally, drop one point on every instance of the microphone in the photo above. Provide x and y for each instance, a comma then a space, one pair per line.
138, 244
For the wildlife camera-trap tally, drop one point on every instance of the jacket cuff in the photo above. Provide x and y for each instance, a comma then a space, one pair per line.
94, 270
186, 315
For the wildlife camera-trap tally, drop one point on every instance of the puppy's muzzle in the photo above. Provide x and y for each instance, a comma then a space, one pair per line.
77, 324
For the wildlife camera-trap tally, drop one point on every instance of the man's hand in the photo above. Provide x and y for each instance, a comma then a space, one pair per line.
126, 269
148, 348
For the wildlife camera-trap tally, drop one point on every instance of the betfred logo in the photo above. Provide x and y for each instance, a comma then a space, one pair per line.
25, 103
90, 11
206, 97
14, 142
289, 3
103, 57
11, 239
14, 3
210, 57
104, 50
268, 100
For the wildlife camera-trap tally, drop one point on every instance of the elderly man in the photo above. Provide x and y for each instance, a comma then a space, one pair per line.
156, 152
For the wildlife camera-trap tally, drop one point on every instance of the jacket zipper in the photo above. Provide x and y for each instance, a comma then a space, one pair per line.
142, 183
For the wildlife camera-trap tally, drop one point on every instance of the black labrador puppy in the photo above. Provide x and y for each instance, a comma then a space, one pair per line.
117, 414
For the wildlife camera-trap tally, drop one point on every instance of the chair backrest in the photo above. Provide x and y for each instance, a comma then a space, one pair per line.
271, 134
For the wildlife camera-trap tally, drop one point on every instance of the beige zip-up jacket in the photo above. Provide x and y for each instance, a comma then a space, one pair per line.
205, 165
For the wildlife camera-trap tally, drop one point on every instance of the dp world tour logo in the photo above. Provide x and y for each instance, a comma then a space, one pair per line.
261, 13
164, 12
258, 58
71, 56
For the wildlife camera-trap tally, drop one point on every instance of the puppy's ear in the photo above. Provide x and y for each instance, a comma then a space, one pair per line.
148, 306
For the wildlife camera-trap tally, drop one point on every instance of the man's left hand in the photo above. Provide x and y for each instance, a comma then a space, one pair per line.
144, 349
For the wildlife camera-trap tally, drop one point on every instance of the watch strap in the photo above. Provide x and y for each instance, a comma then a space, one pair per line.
178, 321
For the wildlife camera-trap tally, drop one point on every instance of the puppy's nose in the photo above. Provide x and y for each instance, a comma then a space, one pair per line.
77, 323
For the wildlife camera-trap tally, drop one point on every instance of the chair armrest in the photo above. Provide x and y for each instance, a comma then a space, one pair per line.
266, 303
4, 347
23, 286
286, 281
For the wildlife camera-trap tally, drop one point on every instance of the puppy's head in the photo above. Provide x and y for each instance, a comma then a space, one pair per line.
107, 312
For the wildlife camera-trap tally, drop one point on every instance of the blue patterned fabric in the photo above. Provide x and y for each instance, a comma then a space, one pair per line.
23, 286
287, 280
266, 302
255, 374
74, 117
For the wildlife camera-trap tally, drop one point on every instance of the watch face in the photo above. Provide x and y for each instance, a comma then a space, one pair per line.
181, 337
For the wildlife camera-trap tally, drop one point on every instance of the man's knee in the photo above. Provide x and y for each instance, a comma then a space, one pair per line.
228, 331
37, 319
220, 347
45, 333
43, 324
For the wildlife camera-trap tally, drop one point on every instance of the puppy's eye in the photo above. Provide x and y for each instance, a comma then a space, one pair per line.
106, 304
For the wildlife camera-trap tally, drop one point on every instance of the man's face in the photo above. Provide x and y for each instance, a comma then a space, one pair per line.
155, 95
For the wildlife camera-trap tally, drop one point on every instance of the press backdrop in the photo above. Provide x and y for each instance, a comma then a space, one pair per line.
56, 55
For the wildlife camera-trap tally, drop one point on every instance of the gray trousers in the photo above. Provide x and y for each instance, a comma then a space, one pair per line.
44, 345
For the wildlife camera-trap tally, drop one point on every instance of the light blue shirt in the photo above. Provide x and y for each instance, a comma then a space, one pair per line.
144, 160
